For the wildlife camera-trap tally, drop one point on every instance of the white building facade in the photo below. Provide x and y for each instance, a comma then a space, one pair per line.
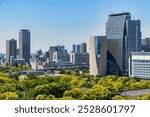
139, 65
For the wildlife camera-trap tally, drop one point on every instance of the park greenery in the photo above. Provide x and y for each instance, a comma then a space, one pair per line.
71, 85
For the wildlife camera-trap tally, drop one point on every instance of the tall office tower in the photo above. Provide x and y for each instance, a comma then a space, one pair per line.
123, 37
76, 48
52, 49
83, 48
146, 44
11, 50
98, 55
24, 45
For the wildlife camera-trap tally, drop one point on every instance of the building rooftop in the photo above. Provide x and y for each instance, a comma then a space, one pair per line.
24, 30
140, 55
118, 14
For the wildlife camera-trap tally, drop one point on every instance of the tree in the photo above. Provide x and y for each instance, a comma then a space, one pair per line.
4, 80
145, 97
42, 89
75, 93
74, 72
118, 97
67, 98
97, 93
7, 87
65, 78
31, 76
41, 97
51, 97
9, 96
62, 71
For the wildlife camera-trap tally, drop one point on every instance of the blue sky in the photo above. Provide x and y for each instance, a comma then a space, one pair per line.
64, 22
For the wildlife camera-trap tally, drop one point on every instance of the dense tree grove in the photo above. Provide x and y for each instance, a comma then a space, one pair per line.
72, 85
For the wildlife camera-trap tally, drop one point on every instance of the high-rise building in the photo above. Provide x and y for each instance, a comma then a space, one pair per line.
76, 48
52, 49
146, 44
24, 45
83, 48
123, 37
98, 55
11, 50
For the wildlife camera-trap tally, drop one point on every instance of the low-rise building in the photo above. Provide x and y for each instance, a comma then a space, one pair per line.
14, 62
139, 65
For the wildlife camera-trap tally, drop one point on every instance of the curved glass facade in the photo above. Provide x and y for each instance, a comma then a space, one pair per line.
123, 36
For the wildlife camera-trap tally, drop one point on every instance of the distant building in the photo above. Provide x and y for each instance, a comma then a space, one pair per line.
52, 49
83, 48
146, 44
16, 62
60, 55
139, 65
35, 64
46, 56
39, 52
76, 48
11, 50
24, 45
98, 55
146, 41
79, 58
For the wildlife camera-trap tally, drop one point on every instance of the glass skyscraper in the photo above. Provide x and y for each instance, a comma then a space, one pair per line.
24, 45
11, 50
123, 36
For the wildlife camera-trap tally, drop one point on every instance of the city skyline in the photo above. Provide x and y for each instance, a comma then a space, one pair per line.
65, 22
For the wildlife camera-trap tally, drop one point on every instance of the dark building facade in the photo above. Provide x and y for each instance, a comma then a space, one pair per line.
11, 50
146, 44
24, 45
76, 48
83, 48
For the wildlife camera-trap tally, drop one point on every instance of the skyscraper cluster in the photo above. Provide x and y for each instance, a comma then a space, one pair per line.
82, 48
24, 49
79, 54
123, 36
